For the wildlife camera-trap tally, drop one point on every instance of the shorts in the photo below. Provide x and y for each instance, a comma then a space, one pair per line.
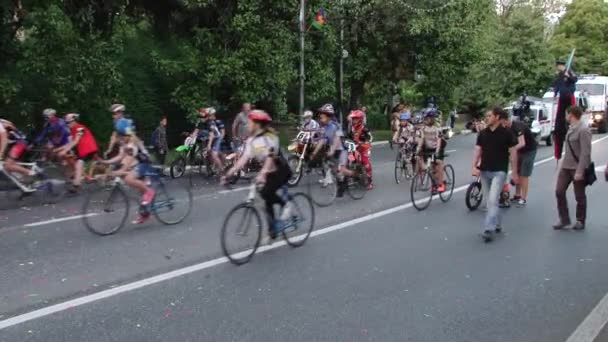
526, 163
428, 152
143, 169
17, 150
216, 145
88, 157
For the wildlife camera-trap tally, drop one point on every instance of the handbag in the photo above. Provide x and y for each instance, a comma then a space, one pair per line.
589, 173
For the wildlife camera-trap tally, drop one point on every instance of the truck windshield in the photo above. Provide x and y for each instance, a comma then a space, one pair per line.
592, 89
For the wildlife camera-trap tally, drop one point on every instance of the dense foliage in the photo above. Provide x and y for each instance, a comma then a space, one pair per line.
173, 56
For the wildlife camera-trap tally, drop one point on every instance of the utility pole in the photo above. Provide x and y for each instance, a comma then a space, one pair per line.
302, 35
341, 56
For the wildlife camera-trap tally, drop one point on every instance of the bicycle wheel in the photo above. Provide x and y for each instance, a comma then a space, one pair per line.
294, 162
172, 202
356, 185
105, 211
474, 196
322, 187
399, 170
421, 190
303, 216
448, 174
54, 190
243, 224
178, 167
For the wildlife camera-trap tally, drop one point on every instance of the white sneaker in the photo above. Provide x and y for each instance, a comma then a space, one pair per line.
286, 214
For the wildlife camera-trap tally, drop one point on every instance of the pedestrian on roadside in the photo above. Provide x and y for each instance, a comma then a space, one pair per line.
239, 126
491, 156
526, 153
577, 157
159, 141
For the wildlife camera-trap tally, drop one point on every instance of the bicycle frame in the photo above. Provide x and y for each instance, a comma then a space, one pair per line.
15, 180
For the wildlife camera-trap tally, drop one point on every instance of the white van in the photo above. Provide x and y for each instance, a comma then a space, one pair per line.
541, 125
595, 89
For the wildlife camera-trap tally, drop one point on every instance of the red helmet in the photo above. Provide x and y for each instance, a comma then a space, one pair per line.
259, 115
356, 114
203, 112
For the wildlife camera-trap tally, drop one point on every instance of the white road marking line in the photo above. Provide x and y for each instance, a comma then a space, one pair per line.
377, 143
450, 151
227, 191
49, 310
593, 324
61, 219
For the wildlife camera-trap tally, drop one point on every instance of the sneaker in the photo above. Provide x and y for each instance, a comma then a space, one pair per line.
287, 209
147, 197
487, 236
578, 226
515, 198
560, 225
441, 187
498, 229
141, 218
521, 203
370, 186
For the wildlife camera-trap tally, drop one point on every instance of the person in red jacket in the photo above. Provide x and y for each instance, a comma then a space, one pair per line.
83, 143
360, 134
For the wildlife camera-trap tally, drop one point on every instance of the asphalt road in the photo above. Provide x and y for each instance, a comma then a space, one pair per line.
376, 271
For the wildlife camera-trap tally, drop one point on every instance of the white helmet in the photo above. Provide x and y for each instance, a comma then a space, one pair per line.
115, 108
211, 111
49, 112
71, 117
307, 114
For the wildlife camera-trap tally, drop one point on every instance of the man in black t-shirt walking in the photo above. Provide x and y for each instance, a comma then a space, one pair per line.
526, 153
491, 157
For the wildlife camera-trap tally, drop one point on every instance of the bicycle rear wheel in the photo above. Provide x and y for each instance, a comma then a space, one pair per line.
178, 167
448, 174
105, 210
474, 196
241, 233
421, 190
303, 216
357, 184
54, 190
322, 187
172, 202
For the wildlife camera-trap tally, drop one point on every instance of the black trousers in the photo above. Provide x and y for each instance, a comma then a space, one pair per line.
274, 181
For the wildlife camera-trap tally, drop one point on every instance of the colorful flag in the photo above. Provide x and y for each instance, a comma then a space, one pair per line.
320, 19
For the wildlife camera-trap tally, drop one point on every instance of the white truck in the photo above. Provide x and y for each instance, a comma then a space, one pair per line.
541, 125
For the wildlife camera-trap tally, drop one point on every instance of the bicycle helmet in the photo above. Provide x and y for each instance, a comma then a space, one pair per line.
307, 114
405, 116
47, 113
356, 114
124, 127
211, 111
117, 108
259, 115
203, 112
71, 117
430, 113
327, 109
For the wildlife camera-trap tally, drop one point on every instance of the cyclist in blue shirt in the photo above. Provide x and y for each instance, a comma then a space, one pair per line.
55, 132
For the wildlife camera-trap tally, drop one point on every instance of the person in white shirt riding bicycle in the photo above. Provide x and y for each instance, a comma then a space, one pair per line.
14, 141
430, 144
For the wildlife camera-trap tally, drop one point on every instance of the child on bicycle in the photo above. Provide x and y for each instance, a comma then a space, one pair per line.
263, 146
407, 131
134, 163
359, 133
429, 145
206, 128
83, 144
14, 141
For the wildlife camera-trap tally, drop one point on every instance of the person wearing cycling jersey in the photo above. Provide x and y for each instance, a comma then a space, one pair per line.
134, 162
82, 143
406, 132
359, 133
309, 124
429, 144
207, 129
263, 146
239, 126
219, 123
332, 141
54, 133
14, 141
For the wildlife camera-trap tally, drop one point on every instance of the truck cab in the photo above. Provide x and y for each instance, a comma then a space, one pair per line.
595, 89
541, 123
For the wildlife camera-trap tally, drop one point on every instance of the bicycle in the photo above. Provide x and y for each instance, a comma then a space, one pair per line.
103, 206
52, 190
404, 163
356, 185
249, 225
474, 195
424, 181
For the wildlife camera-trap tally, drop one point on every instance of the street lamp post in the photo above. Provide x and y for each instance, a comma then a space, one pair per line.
302, 35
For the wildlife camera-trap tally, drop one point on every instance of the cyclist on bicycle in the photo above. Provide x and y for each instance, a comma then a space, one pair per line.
359, 133
134, 163
15, 142
309, 124
206, 128
118, 112
406, 132
84, 146
331, 141
55, 132
263, 146
429, 145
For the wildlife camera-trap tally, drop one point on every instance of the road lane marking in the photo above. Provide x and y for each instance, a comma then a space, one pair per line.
70, 304
61, 219
593, 324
